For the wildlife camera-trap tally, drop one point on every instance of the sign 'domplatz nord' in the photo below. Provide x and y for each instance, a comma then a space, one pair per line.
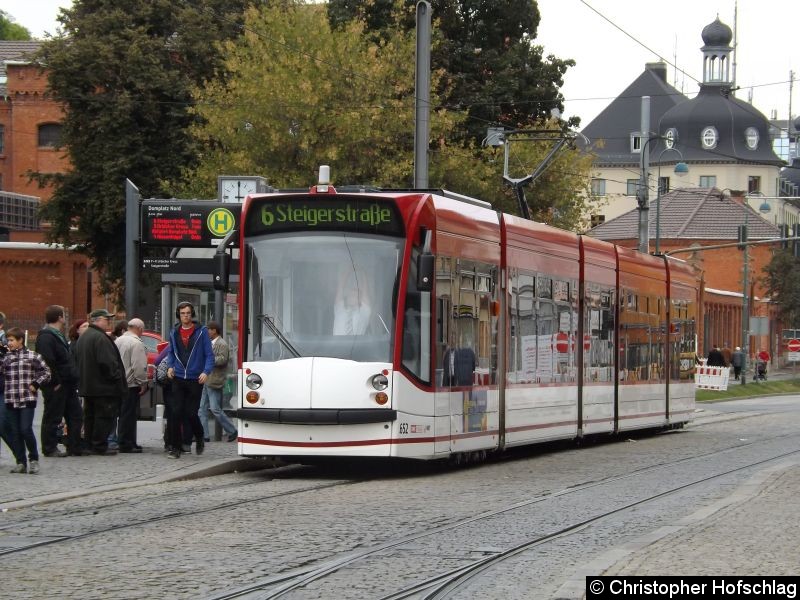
187, 224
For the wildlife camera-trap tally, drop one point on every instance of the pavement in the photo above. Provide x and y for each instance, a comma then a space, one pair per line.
72, 477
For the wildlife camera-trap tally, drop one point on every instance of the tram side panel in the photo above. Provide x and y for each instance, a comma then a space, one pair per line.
599, 274
684, 319
642, 397
541, 387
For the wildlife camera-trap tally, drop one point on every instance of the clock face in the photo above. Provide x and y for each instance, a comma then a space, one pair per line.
235, 190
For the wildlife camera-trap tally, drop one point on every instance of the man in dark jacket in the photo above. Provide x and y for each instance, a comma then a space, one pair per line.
102, 381
190, 361
61, 393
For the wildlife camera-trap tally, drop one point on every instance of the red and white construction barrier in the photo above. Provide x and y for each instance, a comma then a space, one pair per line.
711, 378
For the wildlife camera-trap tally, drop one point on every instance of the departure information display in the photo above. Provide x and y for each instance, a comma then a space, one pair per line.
182, 224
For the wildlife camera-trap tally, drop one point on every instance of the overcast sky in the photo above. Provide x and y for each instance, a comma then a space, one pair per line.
608, 60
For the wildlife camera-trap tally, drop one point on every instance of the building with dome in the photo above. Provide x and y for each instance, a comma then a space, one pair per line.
725, 141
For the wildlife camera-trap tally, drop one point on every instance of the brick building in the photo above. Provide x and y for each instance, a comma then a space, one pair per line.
34, 274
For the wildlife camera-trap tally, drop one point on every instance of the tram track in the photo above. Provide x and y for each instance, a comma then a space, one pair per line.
452, 579
181, 514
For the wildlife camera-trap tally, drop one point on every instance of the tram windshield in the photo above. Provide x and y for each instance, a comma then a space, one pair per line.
321, 294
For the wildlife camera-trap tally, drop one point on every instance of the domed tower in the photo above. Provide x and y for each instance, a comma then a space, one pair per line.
727, 136
716, 53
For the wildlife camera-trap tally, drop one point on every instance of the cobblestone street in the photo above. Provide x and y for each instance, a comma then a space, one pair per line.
149, 535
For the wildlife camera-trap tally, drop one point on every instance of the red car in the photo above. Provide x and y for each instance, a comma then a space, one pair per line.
154, 343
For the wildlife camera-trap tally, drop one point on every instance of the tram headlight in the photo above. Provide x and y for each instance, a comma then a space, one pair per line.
380, 382
253, 381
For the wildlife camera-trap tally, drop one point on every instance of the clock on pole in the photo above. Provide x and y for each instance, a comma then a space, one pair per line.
234, 188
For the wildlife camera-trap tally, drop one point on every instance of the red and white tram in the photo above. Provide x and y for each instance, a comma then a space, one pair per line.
426, 325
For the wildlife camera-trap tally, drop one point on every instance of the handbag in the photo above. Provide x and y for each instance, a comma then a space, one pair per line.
161, 373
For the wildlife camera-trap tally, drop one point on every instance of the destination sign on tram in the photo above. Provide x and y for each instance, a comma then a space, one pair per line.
195, 224
314, 213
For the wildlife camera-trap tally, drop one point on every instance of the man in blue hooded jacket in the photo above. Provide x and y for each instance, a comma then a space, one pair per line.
190, 361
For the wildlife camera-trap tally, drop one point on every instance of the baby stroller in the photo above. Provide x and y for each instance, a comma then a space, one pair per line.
761, 369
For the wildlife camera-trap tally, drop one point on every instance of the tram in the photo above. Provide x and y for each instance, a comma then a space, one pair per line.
426, 325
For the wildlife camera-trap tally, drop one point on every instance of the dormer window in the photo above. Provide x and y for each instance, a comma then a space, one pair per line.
708, 138
636, 142
670, 137
751, 137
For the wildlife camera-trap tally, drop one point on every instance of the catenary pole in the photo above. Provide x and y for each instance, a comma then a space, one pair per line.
422, 95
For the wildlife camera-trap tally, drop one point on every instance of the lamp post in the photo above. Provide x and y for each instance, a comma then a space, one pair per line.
764, 208
681, 168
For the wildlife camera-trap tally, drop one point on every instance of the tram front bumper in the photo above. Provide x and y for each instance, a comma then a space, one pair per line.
317, 416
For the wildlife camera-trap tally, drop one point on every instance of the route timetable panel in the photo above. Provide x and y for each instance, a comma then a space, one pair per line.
194, 224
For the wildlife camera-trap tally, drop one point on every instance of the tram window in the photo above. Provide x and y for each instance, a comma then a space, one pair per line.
416, 326
466, 325
599, 326
543, 330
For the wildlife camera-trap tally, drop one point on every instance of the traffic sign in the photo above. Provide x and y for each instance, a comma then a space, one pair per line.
793, 345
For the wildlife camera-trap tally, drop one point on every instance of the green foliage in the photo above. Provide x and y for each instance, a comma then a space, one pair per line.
782, 281
9, 30
124, 72
295, 101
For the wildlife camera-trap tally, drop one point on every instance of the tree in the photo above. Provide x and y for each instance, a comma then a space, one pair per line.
123, 72
294, 101
493, 70
9, 30
782, 281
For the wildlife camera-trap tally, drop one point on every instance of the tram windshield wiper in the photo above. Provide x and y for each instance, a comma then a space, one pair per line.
269, 321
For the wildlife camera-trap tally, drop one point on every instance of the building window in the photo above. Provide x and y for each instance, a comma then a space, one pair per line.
751, 137
709, 138
633, 187
598, 187
2, 140
753, 184
663, 185
670, 137
49, 135
708, 181
636, 142
598, 220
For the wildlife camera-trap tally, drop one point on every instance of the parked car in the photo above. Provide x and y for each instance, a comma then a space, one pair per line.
154, 342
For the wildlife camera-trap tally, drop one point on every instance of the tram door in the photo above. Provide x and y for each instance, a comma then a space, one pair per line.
466, 361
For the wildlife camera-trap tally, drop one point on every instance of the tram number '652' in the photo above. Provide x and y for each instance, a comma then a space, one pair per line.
403, 428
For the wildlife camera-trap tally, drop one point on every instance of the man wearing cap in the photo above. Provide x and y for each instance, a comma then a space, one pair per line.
102, 381
134, 358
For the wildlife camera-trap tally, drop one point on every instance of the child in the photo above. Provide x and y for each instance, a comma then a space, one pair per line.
24, 372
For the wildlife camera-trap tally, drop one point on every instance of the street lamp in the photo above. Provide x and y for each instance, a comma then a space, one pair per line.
681, 168
763, 208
